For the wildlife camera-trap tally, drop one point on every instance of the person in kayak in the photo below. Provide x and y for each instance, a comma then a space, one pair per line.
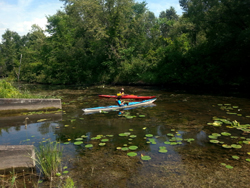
120, 102
121, 92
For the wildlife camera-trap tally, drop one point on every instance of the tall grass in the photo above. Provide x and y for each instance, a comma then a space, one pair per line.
48, 158
7, 90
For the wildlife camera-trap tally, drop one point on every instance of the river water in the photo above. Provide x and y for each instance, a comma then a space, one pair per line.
179, 123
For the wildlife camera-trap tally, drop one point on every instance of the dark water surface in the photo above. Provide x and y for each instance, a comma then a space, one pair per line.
187, 163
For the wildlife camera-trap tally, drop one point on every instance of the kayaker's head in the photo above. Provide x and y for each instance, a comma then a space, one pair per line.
119, 97
122, 89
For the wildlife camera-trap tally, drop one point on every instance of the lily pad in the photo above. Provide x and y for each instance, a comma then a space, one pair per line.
133, 147
132, 136
66, 143
212, 136
248, 160
124, 149
149, 135
132, 154
166, 142
104, 140
78, 143
79, 139
214, 141
235, 157
102, 144
142, 116
225, 134
236, 146
89, 146
145, 157
226, 146
229, 166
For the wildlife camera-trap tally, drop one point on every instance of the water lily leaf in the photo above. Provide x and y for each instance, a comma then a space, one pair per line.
124, 148
58, 174
66, 143
224, 164
84, 136
142, 116
170, 134
145, 158
216, 134
104, 140
233, 136
235, 157
226, 146
131, 129
122, 134
132, 154
78, 143
248, 160
166, 142
118, 148
133, 147
225, 134
102, 144
236, 146
214, 141
65, 172
109, 135
89, 146
79, 139
132, 136
66, 125
65, 167
149, 135
212, 136
163, 151
229, 166
173, 143
246, 142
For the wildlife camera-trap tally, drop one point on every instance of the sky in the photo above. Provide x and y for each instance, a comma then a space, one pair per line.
20, 15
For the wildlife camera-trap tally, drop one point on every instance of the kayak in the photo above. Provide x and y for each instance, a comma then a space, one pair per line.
129, 97
128, 108
117, 107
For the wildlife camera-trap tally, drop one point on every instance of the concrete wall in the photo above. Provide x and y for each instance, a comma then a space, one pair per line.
19, 157
29, 104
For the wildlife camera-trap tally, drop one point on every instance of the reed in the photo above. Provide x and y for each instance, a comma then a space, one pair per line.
48, 159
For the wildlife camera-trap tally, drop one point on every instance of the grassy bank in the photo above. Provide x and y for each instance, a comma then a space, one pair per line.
7, 90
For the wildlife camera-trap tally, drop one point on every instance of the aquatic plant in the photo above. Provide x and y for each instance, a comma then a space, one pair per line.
48, 158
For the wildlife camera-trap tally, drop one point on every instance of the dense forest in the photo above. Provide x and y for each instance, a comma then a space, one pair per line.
122, 42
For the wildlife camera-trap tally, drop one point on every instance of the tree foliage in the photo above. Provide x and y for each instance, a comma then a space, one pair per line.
121, 41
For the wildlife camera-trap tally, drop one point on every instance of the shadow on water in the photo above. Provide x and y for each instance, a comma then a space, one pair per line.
174, 133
